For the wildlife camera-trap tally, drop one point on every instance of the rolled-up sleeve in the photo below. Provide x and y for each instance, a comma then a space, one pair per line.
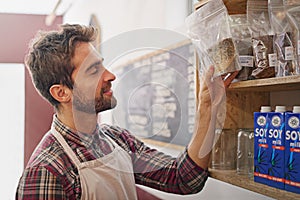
179, 175
195, 176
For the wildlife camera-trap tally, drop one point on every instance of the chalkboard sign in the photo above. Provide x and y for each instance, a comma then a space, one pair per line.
156, 95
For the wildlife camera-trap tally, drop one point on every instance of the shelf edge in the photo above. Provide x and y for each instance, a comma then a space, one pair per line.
268, 84
244, 182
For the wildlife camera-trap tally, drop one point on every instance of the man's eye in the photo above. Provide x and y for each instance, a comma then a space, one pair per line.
94, 70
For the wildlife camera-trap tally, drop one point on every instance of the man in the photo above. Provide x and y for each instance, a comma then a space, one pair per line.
80, 159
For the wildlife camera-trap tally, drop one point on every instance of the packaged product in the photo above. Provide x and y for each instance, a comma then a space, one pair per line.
262, 39
261, 147
242, 38
209, 30
293, 16
284, 47
292, 150
276, 143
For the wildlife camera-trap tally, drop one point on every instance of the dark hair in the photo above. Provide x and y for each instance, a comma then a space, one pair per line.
50, 57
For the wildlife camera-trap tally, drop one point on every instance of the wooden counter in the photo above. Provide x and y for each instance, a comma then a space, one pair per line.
244, 182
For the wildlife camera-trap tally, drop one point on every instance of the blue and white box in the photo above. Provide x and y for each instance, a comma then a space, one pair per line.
276, 143
261, 148
292, 151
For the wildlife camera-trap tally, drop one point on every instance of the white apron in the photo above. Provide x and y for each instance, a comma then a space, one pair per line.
109, 177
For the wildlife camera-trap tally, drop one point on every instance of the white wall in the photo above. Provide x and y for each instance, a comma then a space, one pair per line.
120, 16
12, 127
118, 20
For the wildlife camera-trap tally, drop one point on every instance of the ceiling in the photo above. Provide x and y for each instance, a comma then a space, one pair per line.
43, 7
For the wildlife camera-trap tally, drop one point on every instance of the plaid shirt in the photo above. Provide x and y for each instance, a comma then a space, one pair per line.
50, 174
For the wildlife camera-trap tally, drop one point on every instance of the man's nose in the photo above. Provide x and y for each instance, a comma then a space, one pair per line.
108, 76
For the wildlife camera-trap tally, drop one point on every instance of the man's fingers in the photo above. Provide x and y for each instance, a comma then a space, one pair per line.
208, 76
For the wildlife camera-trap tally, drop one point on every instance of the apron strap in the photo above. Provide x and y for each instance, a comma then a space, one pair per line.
66, 147
110, 141
71, 153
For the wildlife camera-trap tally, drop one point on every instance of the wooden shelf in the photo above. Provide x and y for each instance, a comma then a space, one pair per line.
163, 144
243, 98
233, 6
268, 84
231, 177
244, 182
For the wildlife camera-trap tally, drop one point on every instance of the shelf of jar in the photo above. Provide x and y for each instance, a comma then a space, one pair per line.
267, 84
243, 181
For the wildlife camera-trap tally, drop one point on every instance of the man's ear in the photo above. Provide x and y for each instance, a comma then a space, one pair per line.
60, 93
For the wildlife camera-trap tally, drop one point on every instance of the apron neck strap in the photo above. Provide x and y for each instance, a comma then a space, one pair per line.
66, 147
70, 152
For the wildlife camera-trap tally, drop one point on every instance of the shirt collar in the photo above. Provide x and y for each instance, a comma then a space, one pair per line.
73, 135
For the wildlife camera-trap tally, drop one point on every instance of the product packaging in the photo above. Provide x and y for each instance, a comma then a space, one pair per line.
208, 29
283, 45
276, 143
261, 148
242, 38
262, 39
292, 151
293, 16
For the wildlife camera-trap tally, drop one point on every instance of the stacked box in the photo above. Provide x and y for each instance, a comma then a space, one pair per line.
292, 152
276, 144
261, 148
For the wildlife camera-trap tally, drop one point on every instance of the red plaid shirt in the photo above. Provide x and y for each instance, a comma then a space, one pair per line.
50, 174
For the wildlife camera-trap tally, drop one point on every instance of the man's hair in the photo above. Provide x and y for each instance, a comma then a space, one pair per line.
49, 59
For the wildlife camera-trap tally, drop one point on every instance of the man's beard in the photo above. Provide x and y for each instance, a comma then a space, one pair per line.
99, 104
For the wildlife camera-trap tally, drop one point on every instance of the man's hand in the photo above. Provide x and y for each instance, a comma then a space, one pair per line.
211, 112
212, 90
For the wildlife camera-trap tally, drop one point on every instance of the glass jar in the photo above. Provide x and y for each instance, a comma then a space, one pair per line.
245, 152
224, 150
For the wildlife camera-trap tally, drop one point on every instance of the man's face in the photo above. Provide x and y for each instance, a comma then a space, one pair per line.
92, 82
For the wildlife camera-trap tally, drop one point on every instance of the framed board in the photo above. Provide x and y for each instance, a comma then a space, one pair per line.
156, 95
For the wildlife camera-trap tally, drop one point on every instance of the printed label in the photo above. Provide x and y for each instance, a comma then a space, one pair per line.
261, 120
276, 121
294, 150
294, 122
272, 59
246, 61
289, 53
292, 183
